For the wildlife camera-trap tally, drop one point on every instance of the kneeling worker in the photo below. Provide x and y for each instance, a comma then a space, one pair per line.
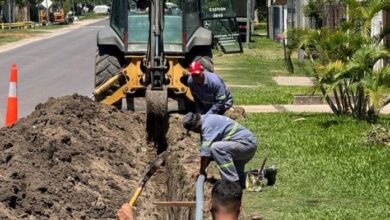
224, 140
210, 93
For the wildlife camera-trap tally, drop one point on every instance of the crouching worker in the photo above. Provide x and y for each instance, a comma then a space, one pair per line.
225, 203
211, 96
225, 141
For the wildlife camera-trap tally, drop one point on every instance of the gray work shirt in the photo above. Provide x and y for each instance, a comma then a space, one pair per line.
220, 128
213, 97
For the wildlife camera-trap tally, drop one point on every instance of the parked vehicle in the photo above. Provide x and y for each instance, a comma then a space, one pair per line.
101, 9
69, 17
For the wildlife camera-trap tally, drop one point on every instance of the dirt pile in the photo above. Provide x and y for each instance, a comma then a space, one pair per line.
73, 158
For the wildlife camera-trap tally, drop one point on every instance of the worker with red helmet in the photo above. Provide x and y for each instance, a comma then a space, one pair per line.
210, 93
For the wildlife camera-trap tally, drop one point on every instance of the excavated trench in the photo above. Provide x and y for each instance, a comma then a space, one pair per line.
73, 158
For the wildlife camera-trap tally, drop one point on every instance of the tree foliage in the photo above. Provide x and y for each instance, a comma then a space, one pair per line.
344, 59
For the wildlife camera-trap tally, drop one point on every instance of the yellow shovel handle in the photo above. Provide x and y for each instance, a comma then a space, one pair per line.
135, 196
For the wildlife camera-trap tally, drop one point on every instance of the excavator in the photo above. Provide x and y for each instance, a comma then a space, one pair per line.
56, 15
142, 57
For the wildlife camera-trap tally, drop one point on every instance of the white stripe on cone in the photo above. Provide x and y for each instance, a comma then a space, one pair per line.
12, 90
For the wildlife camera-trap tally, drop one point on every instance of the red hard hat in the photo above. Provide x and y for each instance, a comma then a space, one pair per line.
195, 68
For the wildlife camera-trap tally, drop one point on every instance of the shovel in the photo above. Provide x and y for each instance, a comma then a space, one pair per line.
149, 173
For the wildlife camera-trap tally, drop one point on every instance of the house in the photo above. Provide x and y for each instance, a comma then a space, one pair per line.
284, 15
334, 15
378, 23
277, 18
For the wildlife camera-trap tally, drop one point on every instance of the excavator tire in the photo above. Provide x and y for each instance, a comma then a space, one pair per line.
106, 66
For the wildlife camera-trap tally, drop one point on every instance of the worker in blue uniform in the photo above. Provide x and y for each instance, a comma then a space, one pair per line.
225, 141
210, 93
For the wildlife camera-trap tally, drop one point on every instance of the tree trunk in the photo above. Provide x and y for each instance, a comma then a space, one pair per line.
372, 115
359, 103
387, 101
21, 13
354, 100
365, 106
351, 107
290, 65
13, 11
301, 56
343, 98
26, 10
287, 58
329, 101
363, 103
6, 15
336, 98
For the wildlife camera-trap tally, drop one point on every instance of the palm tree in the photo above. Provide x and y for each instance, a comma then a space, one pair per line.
295, 40
343, 62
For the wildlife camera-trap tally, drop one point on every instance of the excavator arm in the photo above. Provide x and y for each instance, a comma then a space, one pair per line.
155, 61
155, 77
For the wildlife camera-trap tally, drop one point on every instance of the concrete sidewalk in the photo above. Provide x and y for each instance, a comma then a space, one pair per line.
296, 108
293, 80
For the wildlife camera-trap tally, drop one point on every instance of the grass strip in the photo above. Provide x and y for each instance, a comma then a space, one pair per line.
257, 66
326, 169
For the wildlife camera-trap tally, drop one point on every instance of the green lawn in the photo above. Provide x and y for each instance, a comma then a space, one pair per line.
8, 39
325, 169
257, 66
267, 94
13, 35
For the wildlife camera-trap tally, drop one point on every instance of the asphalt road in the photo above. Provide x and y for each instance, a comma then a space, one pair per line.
53, 67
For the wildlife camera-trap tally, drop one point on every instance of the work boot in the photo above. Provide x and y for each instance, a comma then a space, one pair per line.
270, 174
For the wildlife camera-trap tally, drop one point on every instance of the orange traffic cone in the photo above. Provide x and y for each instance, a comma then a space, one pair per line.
12, 102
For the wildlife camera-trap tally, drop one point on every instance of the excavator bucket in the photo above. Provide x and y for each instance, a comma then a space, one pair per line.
157, 116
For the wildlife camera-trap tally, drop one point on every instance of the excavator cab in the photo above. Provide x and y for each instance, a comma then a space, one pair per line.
142, 57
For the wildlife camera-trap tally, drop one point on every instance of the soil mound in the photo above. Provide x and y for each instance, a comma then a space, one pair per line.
73, 158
